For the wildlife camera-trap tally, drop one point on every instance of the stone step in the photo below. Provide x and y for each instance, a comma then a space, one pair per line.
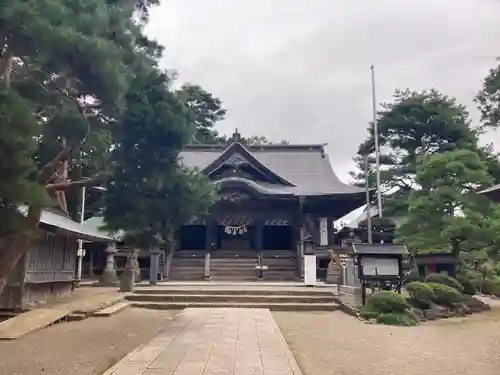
112, 310
258, 305
228, 298
186, 277
206, 289
234, 278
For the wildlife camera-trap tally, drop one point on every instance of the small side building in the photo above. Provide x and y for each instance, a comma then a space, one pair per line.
47, 269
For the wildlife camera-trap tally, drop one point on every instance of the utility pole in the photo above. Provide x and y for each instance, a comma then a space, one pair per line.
368, 203
375, 137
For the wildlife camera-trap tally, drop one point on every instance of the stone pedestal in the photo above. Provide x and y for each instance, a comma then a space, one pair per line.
334, 274
127, 278
109, 276
154, 262
207, 265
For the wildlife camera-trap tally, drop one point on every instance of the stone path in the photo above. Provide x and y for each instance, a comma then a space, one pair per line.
214, 341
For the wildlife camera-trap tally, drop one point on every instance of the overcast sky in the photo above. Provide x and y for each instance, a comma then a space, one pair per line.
299, 69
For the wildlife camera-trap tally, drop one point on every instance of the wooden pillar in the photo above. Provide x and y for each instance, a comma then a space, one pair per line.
331, 231
259, 226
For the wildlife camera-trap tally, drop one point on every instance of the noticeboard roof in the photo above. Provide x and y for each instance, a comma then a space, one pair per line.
378, 249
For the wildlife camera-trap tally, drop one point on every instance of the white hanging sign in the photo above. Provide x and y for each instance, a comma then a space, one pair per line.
235, 230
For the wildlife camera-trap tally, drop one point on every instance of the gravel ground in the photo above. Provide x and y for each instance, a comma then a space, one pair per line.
336, 344
81, 348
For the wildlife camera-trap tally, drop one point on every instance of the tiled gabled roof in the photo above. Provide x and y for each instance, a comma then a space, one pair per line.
305, 166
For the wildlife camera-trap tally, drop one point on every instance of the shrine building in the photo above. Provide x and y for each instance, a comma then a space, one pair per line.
271, 197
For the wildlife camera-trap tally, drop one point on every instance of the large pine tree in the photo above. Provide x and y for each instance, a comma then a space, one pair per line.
68, 71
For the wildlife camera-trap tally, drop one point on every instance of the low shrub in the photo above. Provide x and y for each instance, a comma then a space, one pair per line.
386, 301
468, 285
366, 314
414, 276
442, 278
398, 319
490, 287
420, 292
445, 294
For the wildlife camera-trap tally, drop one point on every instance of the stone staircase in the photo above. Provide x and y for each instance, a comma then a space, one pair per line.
187, 265
280, 269
233, 265
270, 297
233, 269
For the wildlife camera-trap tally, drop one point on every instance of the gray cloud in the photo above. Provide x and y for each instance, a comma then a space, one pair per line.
299, 69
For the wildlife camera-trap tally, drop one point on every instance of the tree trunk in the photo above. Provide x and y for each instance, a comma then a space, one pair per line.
18, 246
455, 250
6, 67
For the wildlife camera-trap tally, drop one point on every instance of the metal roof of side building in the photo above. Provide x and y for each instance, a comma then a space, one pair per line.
492, 192
64, 225
379, 249
307, 168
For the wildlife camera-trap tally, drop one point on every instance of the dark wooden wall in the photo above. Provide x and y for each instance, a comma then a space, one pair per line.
45, 272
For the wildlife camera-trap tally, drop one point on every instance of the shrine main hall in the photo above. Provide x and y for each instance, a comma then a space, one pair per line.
271, 197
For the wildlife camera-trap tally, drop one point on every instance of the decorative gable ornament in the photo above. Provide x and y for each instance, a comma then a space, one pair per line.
236, 160
234, 196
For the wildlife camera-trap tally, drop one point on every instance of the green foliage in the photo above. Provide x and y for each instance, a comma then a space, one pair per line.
467, 284
367, 314
16, 167
79, 79
388, 307
205, 111
151, 193
442, 278
448, 183
445, 295
413, 124
490, 286
398, 319
386, 302
420, 292
489, 100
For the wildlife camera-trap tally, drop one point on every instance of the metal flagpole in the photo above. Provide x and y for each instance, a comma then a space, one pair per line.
80, 252
368, 203
375, 136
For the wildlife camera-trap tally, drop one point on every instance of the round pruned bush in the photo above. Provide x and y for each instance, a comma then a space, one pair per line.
442, 278
386, 301
414, 276
366, 314
421, 293
468, 285
446, 295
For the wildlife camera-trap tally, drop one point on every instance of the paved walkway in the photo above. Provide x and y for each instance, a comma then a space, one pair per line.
214, 341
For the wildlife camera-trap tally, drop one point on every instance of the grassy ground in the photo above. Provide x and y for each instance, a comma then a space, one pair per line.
86, 347
336, 344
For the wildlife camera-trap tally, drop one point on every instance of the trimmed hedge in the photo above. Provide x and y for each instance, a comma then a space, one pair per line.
398, 319
445, 294
442, 278
420, 292
468, 285
386, 301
